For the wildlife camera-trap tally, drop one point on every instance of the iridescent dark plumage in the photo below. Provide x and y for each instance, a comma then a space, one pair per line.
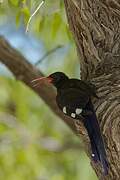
75, 94
74, 99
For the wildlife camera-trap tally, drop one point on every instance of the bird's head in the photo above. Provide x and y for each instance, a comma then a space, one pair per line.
55, 78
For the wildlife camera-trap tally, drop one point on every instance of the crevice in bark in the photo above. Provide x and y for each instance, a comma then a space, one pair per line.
95, 25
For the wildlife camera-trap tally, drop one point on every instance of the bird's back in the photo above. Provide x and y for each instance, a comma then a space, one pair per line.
83, 86
73, 94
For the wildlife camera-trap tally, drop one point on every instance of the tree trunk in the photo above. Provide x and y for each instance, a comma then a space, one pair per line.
95, 25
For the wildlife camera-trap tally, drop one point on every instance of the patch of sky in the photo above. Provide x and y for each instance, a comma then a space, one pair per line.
31, 47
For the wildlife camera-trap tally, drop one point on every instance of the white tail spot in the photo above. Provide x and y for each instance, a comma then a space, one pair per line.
64, 110
78, 111
73, 115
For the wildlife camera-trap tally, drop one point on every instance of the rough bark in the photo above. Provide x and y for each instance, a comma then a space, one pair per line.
95, 25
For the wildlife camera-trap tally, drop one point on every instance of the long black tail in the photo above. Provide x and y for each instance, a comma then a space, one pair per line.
93, 129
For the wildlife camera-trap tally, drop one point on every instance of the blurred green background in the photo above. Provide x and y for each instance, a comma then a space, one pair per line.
34, 143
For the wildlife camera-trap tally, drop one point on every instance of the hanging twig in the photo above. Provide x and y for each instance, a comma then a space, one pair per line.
48, 53
34, 13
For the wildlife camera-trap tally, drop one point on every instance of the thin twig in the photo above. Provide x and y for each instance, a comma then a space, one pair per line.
34, 13
48, 53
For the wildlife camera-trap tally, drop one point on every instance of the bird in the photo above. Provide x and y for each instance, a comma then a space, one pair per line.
74, 99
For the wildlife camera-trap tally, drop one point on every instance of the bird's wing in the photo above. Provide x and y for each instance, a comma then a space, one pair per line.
85, 86
72, 98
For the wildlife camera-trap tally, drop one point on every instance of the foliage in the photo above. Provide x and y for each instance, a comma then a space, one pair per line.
29, 147
34, 143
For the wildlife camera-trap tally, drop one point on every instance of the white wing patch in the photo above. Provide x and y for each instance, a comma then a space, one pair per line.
64, 110
73, 115
78, 111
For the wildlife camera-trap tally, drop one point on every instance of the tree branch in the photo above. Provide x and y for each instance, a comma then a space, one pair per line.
26, 72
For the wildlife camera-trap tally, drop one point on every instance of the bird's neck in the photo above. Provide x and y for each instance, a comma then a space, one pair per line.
60, 84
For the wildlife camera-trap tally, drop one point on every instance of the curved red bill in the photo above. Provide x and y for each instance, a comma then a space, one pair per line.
38, 80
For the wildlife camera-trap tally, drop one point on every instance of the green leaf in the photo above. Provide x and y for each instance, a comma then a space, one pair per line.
13, 2
26, 13
18, 18
68, 33
56, 24
61, 4
41, 23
